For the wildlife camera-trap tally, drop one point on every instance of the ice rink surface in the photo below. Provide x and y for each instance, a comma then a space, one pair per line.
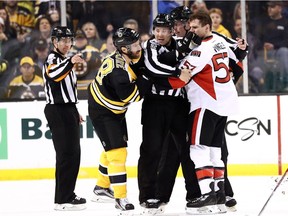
35, 198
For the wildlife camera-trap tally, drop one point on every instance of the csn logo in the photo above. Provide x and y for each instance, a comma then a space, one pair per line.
248, 127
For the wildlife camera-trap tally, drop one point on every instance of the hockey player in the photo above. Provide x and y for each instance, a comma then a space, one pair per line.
180, 17
115, 86
212, 83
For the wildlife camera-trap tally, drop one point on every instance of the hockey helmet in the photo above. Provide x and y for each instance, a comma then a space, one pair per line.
162, 20
62, 31
124, 37
180, 13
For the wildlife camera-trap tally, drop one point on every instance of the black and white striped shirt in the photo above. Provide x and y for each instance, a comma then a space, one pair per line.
60, 81
156, 68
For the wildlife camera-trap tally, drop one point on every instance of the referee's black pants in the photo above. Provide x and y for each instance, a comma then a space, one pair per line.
163, 117
224, 158
63, 121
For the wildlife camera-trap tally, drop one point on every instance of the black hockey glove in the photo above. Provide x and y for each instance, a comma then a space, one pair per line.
183, 46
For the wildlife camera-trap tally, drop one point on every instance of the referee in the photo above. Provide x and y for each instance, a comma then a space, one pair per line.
63, 117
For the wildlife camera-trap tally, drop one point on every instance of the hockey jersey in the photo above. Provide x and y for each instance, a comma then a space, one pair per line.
211, 86
116, 85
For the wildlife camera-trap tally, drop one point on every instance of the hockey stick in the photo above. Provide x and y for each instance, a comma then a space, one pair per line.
278, 184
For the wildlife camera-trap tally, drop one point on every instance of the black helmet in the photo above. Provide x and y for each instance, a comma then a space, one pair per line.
125, 36
162, 20
62, 31
180, 13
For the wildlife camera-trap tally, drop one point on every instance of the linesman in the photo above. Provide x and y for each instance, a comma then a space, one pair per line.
63, 117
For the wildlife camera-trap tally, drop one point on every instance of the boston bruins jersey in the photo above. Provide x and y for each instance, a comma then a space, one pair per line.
20, 89
115, 85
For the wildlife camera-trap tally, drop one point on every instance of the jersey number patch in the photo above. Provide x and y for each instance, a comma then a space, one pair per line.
105, 69
219, 64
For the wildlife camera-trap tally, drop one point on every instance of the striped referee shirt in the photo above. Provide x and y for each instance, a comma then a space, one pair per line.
152, 50
60, 81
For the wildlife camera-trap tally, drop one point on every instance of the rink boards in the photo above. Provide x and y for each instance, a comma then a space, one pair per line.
257, 139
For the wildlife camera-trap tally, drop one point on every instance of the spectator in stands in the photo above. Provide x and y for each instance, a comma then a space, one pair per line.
54, 16
109, 47
92, 11
27, 85
216, 16
132, 24
3, 39
8, 38
273, 39
9, 32
41, 50
51, 9
198, 5
144, 36
237, 12
86, 71
42, 30
46, 7
93, 36
20, 18
256, 73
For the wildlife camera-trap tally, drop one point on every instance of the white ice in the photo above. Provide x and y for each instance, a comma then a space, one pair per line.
35, 198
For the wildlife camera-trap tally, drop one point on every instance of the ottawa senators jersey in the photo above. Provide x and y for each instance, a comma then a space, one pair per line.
211, 86
114, 86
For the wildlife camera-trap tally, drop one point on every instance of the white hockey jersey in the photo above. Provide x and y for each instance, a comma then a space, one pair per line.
211, 86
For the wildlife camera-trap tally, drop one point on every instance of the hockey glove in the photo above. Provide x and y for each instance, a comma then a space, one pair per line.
184, 45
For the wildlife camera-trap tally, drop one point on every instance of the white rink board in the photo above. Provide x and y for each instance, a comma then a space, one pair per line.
39, 152
262, 146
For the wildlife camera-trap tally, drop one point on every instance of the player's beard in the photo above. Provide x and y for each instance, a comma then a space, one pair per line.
134, 55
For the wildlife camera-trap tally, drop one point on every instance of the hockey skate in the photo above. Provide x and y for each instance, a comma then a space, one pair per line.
126, 208
102, 195
231, 204
221, 200
206, 204
76, 204
152, 207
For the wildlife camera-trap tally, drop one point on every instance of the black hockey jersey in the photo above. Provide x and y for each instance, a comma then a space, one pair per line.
116, 85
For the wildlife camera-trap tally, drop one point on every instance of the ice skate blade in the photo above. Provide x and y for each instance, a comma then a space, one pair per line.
205, 210
69, 207
126, 213
221, 208
152, 211
102, 199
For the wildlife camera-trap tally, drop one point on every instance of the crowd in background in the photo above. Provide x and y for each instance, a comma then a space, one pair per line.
25, 28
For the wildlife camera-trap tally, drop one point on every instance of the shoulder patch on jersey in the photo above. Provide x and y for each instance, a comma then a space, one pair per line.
119, 61
153, 44
195, 53
50, 59
219, 46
